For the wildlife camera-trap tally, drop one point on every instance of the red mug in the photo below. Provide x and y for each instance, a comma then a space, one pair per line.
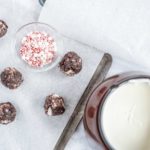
92, 114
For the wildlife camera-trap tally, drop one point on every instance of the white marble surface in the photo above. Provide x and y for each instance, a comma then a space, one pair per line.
28, 12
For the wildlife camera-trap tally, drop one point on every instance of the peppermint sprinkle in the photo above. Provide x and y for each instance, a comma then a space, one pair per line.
38, 49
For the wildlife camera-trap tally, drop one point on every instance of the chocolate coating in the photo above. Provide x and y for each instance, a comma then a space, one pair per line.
3, 28
7, 113
71, 64
54, 105
11, 78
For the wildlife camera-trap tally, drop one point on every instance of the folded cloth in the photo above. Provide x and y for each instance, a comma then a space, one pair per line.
120, 27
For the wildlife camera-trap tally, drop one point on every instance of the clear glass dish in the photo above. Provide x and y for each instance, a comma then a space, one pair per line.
40, 27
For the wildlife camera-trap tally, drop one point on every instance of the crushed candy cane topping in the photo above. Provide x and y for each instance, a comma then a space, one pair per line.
38, 49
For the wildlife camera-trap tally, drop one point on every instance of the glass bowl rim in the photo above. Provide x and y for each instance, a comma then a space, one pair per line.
27, 66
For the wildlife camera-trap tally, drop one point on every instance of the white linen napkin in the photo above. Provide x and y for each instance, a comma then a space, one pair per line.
120, 27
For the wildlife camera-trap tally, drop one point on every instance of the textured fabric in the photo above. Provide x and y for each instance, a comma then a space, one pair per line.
120, 27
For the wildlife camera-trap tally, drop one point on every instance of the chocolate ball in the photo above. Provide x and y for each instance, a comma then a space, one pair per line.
71, 64
11, 78
3, 28
54, 105
7, 113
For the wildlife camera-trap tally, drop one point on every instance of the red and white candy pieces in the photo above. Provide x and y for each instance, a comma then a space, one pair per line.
38, 49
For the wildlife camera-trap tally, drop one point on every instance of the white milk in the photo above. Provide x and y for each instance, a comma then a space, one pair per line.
126, 116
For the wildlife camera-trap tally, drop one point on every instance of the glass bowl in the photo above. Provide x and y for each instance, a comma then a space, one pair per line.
40, 27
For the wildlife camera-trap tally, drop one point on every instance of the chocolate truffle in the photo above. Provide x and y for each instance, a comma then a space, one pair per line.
7, 113
3, 28
11, 78
54, 105
71, 64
